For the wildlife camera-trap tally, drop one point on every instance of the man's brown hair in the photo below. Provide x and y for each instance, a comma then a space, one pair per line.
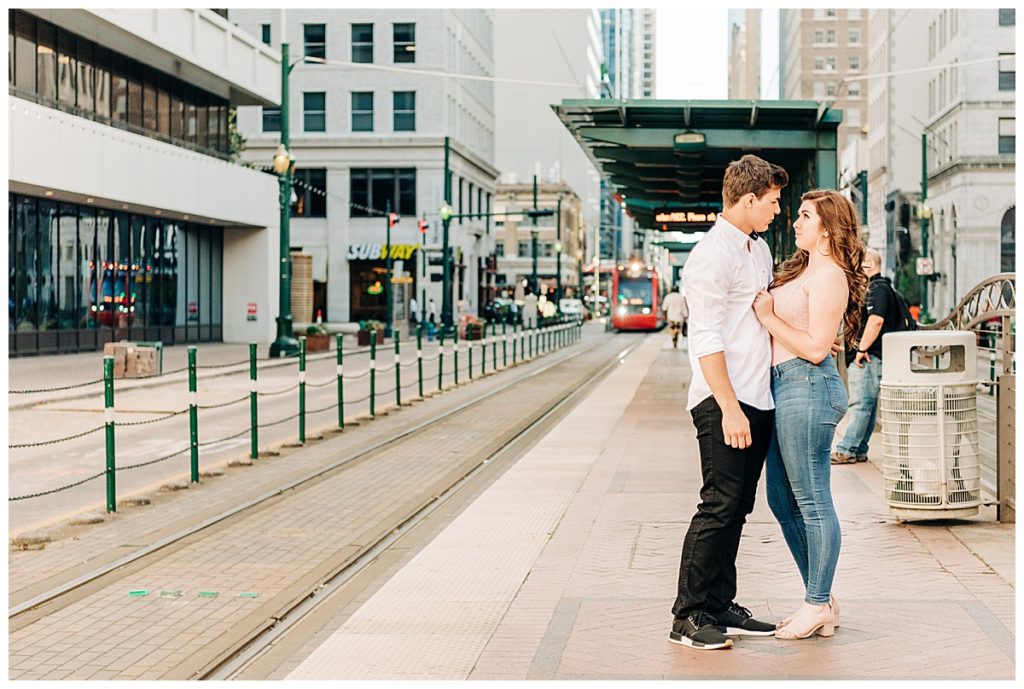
751, 175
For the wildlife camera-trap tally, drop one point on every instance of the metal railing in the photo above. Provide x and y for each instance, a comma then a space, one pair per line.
543, 340
988, 310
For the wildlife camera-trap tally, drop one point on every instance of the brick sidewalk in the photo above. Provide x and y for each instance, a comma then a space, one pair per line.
917, 602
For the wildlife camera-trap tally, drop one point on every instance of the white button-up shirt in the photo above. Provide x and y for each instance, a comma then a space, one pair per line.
722, 275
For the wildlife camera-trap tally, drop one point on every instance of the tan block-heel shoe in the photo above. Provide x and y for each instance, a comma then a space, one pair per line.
822, 625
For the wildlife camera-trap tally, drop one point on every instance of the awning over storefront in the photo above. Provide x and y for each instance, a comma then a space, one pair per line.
665, 159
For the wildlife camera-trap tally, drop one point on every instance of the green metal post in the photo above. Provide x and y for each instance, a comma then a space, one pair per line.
398, 372
469, 350
455, 342
440, 360
419, 356
504, 345
108, 411
254, 442
483, 354
341, 391
924, 225
387, 270
529, 343
193, 415
302, 389
373, 372
285, 344
494, 345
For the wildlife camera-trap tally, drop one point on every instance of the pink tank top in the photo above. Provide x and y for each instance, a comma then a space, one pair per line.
791, 306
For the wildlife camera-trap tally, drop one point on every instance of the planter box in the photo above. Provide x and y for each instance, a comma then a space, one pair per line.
318, 343
363, 337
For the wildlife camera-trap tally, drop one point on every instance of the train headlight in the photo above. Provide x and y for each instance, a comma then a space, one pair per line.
622, 310
645, 311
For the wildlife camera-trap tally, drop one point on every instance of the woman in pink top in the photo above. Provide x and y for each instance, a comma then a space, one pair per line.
817, 289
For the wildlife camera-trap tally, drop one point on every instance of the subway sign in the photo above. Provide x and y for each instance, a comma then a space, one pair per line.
696, 218
378, 252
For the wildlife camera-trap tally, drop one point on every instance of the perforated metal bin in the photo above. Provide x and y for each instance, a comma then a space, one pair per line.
928, 408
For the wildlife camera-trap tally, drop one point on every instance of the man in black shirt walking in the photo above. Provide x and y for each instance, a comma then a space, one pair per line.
879, 316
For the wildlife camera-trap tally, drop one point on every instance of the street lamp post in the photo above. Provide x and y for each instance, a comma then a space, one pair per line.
284, 163
925, 215
558, 252
387, 272
446, 217
533, 241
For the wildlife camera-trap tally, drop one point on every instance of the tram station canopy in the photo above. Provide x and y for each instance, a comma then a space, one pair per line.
665, 159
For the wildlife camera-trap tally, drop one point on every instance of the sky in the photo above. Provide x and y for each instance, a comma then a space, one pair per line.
692, 53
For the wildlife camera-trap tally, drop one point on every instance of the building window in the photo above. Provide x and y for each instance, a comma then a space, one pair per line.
819, 36
362, 111
405, 42
1008, 17
265, 33
830, 89
314, 111
855, 63
855, 36
1007, 135
1007, 71
362, 43
499, 250
310, 188
854, 89
315, 37
525, 249
830, 13
371, 188
819, 89
830, 63
830, 36
405, 111
271, 119
1008, 240
819, 63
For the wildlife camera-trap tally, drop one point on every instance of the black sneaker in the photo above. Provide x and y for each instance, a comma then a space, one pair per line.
699, 630
738, 621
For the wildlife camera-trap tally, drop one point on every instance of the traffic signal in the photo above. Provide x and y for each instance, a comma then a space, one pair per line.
423, 226
393, 219
540, 213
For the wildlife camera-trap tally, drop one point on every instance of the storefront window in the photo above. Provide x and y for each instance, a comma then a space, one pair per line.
149, 107
88, 265
102, 69
49, 242
135, 102
118, 90
67, 68
85, 97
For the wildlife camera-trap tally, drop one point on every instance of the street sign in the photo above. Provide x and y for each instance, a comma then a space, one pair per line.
250, 313
925, 266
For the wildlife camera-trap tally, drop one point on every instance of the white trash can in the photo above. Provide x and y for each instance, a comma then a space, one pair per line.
931, 460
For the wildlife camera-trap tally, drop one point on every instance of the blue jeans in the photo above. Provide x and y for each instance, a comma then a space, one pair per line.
809, 402
864, 386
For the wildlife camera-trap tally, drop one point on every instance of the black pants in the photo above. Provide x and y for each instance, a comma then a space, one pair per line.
707, 569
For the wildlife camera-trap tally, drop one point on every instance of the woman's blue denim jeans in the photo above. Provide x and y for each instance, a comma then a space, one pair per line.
809, 402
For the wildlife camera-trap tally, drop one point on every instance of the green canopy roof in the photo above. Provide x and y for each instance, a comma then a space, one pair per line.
671, 155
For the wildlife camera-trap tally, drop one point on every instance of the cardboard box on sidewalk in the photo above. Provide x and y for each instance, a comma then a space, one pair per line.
120, 352
134, 359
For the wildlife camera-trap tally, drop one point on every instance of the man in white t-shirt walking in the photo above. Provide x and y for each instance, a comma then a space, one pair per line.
676, 312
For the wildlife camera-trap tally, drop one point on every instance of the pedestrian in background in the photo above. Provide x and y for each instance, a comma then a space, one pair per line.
815, 290
730, 401
432, 311
676, 312
880, 315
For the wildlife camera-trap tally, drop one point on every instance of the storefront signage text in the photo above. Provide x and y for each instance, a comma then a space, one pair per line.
375, 252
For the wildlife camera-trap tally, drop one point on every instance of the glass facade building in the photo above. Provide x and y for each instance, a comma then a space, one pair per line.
81, 276
59, 69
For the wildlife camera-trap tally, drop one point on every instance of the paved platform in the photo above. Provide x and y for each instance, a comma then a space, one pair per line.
565, 568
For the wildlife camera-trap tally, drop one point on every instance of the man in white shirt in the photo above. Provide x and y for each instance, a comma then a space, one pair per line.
730, 401
674, 307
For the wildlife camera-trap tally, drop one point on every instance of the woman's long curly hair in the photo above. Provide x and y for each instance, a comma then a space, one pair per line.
839, 219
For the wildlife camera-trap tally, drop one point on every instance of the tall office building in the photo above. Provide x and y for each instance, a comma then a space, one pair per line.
127, 215
971, 146
818, 49
553, 46
367, 131
745, 54
650, 75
